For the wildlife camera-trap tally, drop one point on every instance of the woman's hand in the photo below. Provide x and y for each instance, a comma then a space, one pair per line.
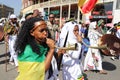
61, 51
50, 43
79, 38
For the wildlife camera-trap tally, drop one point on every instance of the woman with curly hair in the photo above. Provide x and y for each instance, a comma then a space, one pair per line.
34, 50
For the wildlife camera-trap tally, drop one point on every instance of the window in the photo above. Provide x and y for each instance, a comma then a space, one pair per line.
118, 4
106, 7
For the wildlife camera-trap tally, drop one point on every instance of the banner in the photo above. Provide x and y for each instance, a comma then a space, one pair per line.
86, 6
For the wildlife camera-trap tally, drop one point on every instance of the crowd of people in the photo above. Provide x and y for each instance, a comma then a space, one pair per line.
40, 49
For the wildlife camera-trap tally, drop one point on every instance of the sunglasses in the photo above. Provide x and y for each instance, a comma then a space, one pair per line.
51, 17
15, 18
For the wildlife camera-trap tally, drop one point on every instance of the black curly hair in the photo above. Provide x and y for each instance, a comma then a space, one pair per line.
24, 37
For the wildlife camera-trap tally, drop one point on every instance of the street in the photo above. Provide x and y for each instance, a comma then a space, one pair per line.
11, 71
112, 68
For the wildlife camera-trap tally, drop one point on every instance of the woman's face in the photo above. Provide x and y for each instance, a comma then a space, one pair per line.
76, 30
40, 31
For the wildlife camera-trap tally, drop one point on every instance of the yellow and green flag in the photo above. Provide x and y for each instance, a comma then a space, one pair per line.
31, 64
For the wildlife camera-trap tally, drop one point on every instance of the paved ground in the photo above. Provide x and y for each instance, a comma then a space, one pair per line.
112, 67
11, 72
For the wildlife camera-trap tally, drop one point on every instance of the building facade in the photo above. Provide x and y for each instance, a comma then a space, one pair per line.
5, 11
116, 11
66, 9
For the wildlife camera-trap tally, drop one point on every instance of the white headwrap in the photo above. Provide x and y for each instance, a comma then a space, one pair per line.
92, 25
12, 16
68, 28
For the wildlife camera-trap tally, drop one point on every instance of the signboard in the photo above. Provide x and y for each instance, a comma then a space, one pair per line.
55, 12
99, 16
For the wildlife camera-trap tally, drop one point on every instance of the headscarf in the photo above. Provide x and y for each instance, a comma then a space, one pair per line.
68, 28
12, 16
100, 22
92, 25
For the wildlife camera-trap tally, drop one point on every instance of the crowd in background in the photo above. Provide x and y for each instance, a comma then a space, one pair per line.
23, 43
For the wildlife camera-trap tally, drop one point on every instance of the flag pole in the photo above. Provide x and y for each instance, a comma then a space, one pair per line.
6, 45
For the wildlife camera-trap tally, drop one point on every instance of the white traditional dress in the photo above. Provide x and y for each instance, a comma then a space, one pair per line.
118, 35
93, 62
71, 69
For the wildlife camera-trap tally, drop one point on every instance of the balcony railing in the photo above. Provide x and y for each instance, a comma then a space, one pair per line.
49, 4
57, 3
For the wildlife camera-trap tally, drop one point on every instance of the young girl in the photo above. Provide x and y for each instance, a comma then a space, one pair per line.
71, 61
34, 50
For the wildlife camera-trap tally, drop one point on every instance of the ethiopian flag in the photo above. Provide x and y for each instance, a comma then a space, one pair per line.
31, 64
86, 6
118, 27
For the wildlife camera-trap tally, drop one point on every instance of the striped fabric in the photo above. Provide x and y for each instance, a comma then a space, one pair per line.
31, 65
118, 27
31, 71
86, 6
